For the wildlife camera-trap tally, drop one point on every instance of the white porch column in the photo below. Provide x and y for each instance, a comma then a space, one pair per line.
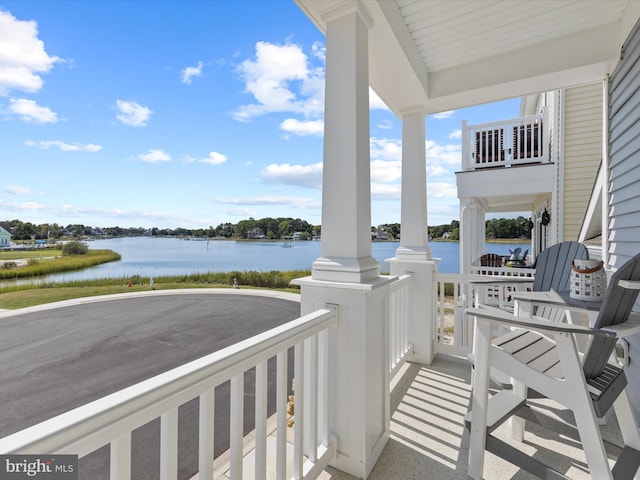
472, 231
414, 254
413, 239
346, 274
345, 253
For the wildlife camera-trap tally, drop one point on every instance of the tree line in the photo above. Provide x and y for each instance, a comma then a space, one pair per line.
495, 228
266, 228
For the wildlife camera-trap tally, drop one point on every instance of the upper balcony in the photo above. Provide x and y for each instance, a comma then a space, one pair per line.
518, 141
507, 164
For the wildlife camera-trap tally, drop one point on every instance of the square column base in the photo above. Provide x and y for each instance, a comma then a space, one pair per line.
359, 400
422, 305
346, 270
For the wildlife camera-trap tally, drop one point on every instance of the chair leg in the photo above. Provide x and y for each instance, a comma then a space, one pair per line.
518, 424
574, 395
627, 421
591, 439
479, 402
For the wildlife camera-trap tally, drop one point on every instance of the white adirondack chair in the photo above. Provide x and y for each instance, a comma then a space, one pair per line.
553, 272
544, 356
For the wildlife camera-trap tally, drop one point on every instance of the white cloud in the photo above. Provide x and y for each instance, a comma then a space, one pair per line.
443, 115
303, 128
386, 168
319, 51
437, 170
240, 212
82, 213
449, 154
17, 190
22, 55
455, 134
296, 202
441, 190
65, 147
30, 111
214, 158
385, 192
281, 79
298, 175
154, 156
442, 214
132, 113
22, 206
385, 125
385, 171
385, 148
190, 72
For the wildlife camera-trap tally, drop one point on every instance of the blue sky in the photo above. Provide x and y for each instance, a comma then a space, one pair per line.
185, 114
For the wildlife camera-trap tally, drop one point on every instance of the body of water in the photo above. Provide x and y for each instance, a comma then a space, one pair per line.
148, 256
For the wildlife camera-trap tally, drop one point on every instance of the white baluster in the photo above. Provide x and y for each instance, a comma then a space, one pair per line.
169, 445
120, 461
206, 434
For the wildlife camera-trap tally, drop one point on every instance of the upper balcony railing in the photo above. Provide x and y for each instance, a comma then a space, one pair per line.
506, 143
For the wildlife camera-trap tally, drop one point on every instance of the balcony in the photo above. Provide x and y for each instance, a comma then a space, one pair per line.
508, 143
427, 403
506, 167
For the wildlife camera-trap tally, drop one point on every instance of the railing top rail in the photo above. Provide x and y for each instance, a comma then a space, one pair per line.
475, 277
86, 428
517, 120
401, 281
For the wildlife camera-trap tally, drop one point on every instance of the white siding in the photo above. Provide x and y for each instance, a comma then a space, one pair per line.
582, 153
624, 178
624, 151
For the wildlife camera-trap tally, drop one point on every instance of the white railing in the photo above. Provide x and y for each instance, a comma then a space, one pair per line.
455, 292
399, 346
112, 419
506, 143
503, 271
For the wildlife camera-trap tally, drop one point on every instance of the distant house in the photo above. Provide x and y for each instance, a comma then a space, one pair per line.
446, 235
378, 234
5, 235
255, 233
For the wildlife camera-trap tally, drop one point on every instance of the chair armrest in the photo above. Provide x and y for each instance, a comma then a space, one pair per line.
534, 323
628, 328
498, 280
555, 300
629, 284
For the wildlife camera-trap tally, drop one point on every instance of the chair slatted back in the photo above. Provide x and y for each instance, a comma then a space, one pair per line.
553, 266
616, 307
553, 272
491, 260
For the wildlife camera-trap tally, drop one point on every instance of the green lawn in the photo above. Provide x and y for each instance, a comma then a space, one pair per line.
40, 253
20, 296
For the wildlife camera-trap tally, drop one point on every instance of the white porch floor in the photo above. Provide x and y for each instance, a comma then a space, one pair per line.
428, 438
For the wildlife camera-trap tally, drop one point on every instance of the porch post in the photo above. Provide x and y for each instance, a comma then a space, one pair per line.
345, 252
472, 231
346, 274
414, 254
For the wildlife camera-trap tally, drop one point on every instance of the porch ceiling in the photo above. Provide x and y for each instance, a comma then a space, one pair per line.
441, 55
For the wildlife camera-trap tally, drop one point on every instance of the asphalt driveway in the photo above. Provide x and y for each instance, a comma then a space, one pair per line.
53, 360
